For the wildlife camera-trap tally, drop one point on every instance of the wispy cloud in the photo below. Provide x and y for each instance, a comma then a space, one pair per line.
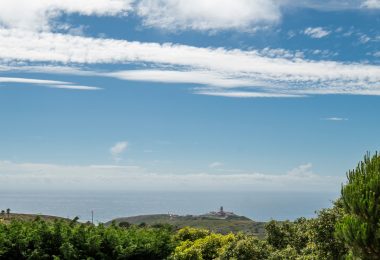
32, 81
259, 74
316, 32
371, 4
363, 38
117, 149
335, 119
74, 87
244, 94
302, 171
324, 5
214, 165
175, 76
47, 83
118, 177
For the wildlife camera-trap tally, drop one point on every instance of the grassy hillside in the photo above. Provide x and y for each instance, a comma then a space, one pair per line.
220, 225
28, 217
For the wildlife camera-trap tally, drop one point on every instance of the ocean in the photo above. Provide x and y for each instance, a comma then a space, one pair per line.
107, 205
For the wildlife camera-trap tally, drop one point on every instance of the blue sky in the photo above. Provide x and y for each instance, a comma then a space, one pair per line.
173, 95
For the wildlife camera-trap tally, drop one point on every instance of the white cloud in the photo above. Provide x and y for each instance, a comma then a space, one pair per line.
47, 83
221, 14
116, 177
243, 94
255, 71
302, 171
208, 15
371, 4
335, 119
215, 165
324, 5
74, 87
281, 53
364, 38
37, 14
316, 32
32, 81
117, 149
175, 76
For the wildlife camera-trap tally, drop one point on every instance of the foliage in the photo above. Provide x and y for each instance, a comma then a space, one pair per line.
323, 230
308, 238
39, 239
226, 225
245, 247
301, 239
207, 247
192, 234
283, 234
360, 227
62, 240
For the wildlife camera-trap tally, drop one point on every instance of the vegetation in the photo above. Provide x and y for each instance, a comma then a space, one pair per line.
360, 227
39, 239
348, 230
6, 218
62, 239
232, 224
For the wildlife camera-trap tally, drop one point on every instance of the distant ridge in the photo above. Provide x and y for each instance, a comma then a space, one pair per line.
220, 222
29, 217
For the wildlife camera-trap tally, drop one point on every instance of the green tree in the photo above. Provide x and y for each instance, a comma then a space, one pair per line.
277, 234
322, 233
359, 229
288, 253
124, 224
8, 212
280, 235
142, 225
246, 247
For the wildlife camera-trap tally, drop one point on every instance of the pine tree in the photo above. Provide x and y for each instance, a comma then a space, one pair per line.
360, 227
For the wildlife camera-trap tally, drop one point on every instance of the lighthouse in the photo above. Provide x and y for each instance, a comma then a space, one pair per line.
221, 212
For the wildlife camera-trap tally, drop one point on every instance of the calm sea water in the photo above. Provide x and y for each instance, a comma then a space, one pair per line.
260, 206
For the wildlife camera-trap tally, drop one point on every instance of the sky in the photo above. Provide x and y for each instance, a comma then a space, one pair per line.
237, 95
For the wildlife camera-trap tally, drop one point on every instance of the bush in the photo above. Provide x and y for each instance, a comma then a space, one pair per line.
206, 246
246, 248
192, 234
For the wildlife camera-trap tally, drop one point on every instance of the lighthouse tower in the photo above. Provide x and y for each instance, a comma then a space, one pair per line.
221, 211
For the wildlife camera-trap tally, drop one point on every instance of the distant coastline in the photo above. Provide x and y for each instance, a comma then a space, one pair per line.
215, 221
108, 205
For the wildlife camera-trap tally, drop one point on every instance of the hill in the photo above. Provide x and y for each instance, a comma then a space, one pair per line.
219, 222
28, 217
226, 224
